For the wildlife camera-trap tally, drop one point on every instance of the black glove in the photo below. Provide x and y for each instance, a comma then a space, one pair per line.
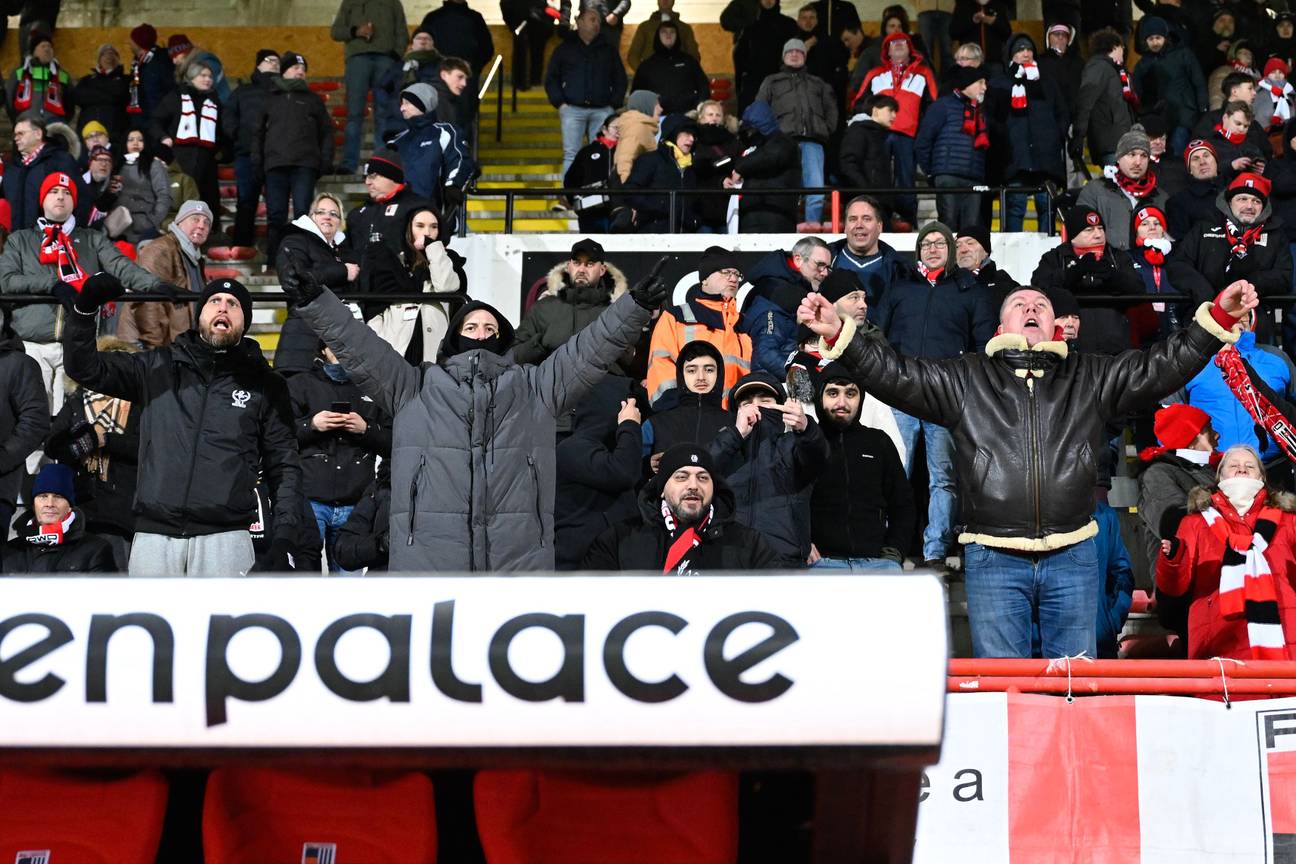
892, 554
380, 543
82, 440
453, 197
650, 292
99, 289
297, 281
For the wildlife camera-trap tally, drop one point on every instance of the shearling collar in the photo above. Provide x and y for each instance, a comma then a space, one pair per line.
1017, 342
1025, 361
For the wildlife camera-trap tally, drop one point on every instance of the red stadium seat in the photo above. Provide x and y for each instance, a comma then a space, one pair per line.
328, 817
325, 86
87, 818
527, 817
225, 172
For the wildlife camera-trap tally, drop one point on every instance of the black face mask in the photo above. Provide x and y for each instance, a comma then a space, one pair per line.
492, 344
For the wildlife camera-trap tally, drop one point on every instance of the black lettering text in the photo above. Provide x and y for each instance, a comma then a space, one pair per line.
102, 628
725, 672
443, 675
614, 658
222, 683
568, 683
59, 635
393, 682
973, 784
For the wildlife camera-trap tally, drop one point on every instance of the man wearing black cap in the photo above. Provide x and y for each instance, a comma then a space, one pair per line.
972, 252
214, 418
294, 146
53, 537
241, 122
382, 218
576, 292
1087, 264
688, 525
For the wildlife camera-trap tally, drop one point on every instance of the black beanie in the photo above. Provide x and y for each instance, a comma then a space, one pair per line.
386, 164
979, 233
714, 259
234, 288
1064, 302
263, 55
838, 284
1079, 218
684, 456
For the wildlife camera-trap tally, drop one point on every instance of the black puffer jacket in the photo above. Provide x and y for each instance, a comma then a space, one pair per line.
212, 422
24, 411
244, 111
771, 472
303, 243
658, 171
80, 552
103, 96
691, 418
337, 466
674, 75
296, 130
1203, 262
768, 162
1103, 329
1026, 451
726, 544
1192, 204
362, 541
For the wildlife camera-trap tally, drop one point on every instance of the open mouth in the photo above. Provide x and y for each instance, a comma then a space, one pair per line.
221, 324
1031, 323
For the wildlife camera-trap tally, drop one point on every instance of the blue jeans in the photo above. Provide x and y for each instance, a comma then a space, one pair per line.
938, 536
578, 124
363, 73
812, 174
248, 181
934, 29
901, 148
296, 182
1008, 591
856, 564
959, 212
1016, 217
329, 518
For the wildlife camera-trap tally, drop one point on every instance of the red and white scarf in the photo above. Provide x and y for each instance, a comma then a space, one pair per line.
1022, 73
134, 106
1126, 91
197, 123
683, 545
1155, 250
974, 123
1241, 243
1234, 138
1246, 589
1135, 190
1281, 95
56, 248
931, 274
1262, 411
24, 92
51, 535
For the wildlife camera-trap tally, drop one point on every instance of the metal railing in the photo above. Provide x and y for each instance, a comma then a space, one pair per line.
347, 296
838, 197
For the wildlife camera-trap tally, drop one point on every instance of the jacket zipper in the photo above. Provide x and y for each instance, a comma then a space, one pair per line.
850, 503
535, 478
202, 414
1035, 452
472, 462
409, 541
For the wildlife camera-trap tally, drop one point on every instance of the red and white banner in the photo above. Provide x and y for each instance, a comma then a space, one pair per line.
1111, 779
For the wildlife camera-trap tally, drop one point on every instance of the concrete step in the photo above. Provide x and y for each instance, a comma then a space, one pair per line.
490, 149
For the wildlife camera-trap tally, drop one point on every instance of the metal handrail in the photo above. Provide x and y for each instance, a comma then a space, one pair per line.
347, 296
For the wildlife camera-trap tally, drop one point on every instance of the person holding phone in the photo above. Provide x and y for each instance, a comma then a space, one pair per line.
340, 434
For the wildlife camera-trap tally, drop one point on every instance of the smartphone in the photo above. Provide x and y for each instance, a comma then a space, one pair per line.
341, 408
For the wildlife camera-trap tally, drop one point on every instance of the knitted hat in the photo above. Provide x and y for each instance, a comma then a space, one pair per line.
1198, 144
178, 44
1059, 28
234, 288
386, 164
36, 36
263, 55
1079, 218
421, 96
936, 228
145, 36
1276, 64
587, 248
1155, 125
794, 45
643, 101
58, 178
289, 59
838, 284
1153, 25
963, 77
1018, 42
684, 456
1064, 302
94, 127
54, 479
1177, 425
1251, 183
1144, 212
714, 259
191, 207
979, 233
1135, 139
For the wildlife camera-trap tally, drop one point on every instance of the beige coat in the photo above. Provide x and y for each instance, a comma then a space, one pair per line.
397, 323
154, 325
641, 46
638, 135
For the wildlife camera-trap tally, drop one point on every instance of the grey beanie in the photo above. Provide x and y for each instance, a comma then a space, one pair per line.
794, 45
936, 228
1135, 139
421, 96
643, 101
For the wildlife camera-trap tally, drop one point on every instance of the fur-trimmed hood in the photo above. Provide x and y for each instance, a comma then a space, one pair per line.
1199, 498
67, 135
556, 281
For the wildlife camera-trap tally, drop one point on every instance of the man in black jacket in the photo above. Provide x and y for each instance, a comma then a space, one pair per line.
1026, 417
862, 509
214, 418
688, 526
1196, 200
24, 415
693, 411
768, 161
340, 433
972, 252
585, 82
242, 121
53, 537
382, 218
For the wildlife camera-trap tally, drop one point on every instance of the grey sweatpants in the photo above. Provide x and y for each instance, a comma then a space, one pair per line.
228, 553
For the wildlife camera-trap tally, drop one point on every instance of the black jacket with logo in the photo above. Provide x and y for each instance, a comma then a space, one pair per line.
337, 466
212, 422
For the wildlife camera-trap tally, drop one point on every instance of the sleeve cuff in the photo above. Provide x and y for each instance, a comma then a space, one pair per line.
834, 348
1220, 324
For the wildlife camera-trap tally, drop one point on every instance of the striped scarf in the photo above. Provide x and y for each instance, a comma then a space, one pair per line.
1247, 589
683, 544
1126, 91
1021, 73
1262, 411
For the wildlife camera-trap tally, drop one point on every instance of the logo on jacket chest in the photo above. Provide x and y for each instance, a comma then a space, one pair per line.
240, 398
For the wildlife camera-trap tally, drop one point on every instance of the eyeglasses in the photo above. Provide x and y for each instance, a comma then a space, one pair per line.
332, 214
821, 266
933, 244
731, 273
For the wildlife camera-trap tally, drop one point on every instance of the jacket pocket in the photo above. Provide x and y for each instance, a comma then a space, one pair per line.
535, 481
413, 504
980, 467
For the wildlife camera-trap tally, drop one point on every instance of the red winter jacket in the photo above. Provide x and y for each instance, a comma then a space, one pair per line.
1195, 571
915, 88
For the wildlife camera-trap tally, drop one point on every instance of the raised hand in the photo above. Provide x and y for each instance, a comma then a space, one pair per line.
819, 315
1238, 298
650, 292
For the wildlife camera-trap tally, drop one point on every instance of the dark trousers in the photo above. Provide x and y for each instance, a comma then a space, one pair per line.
281, 183
249, 180
528, 53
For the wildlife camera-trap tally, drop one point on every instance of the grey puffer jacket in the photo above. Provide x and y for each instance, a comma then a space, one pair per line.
473, 436
21, 272
804, 104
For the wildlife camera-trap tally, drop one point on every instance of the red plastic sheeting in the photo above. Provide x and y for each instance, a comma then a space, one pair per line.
528, 817
88, 818
265, 815
1147, 677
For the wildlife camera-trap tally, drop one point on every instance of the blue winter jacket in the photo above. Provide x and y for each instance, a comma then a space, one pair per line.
1231, 420
942, 147
952, 317
769, 316
434, 156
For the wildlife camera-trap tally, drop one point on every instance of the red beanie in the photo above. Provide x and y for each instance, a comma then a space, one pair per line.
145, 36
1275, 63
1198, 144
1176, 426
58, 178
